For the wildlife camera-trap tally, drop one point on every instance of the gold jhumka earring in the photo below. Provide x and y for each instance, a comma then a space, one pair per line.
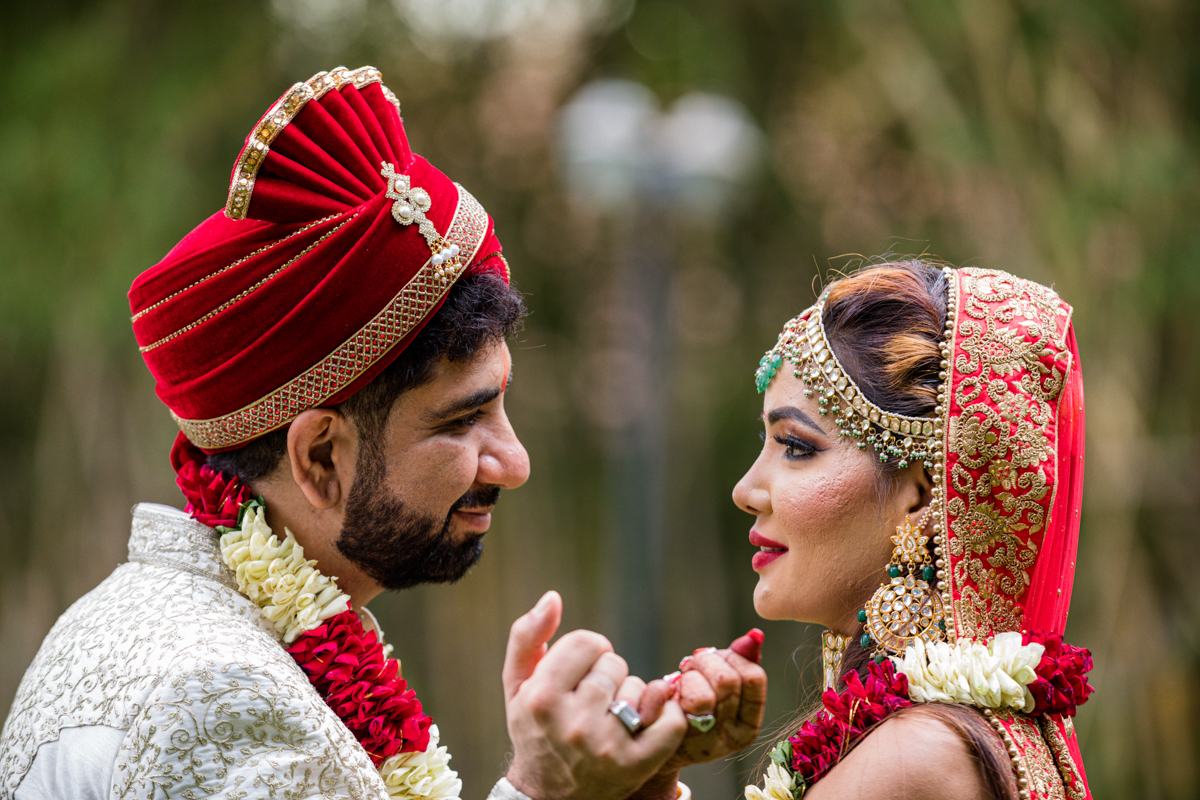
907, 607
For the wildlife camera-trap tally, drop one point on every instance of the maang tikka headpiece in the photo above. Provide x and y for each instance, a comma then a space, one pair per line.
804, 344
908, 605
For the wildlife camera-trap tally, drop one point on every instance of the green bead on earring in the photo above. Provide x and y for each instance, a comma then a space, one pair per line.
862, 615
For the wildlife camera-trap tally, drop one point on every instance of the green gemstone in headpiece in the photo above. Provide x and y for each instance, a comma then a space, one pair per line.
767, 367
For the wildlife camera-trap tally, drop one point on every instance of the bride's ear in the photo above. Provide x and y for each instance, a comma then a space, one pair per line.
914, 494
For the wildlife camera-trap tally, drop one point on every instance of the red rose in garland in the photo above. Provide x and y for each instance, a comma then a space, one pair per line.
346, 665
212, 498
1062, 675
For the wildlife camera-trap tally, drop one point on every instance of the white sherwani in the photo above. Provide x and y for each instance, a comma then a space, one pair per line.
165, 681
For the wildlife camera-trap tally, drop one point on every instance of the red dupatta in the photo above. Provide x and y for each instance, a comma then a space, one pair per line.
1013, 429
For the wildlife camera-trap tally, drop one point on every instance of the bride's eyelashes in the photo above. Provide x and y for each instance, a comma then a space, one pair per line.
794, 449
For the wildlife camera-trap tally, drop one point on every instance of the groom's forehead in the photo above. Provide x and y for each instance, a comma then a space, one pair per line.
457, 388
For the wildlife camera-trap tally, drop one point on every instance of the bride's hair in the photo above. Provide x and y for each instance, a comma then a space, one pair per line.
885, 322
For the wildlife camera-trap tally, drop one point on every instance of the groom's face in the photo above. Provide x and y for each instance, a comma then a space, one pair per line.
424, 491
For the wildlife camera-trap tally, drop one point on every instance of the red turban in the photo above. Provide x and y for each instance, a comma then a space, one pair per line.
335, 247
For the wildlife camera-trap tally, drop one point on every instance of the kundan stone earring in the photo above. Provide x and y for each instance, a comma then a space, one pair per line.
908, 606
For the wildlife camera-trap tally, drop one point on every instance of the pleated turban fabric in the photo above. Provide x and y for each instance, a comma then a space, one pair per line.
337, 244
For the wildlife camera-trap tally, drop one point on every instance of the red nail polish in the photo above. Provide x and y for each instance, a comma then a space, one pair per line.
749, 646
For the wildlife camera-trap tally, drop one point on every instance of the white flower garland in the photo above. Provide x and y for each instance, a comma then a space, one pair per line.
278, 579
296, 598
426, 774
778, 784
995, 675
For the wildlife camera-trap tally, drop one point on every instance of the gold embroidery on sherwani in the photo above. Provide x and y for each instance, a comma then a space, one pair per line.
1010, 364
211, 703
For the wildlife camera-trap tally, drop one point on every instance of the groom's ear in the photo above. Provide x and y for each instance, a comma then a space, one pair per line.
321, 448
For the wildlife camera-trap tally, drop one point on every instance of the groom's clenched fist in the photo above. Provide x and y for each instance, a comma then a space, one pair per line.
566, 743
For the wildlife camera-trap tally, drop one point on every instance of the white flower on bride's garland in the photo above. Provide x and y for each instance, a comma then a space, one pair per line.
777, 785
422, 775
293, 595
995, 675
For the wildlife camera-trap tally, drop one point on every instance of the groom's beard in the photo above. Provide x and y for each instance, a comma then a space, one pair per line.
398, 546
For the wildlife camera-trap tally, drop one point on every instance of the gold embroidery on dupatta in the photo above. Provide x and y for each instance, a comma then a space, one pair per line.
1037, 774
1045, 782
1072, 781
1011, 363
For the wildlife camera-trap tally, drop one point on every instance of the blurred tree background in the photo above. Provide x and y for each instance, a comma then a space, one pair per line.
1057, 140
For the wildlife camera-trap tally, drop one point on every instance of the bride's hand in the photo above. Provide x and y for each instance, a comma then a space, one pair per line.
728, 684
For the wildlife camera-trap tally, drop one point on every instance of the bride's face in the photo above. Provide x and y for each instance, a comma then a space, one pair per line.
823, 514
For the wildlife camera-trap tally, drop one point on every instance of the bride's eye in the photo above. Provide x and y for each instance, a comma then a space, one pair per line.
795, 449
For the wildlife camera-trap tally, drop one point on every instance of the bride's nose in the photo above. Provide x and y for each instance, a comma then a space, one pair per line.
749, 497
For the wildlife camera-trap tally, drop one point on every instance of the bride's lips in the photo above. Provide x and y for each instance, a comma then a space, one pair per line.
770, 551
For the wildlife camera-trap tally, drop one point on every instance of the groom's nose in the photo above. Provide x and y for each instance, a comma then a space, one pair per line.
503, 460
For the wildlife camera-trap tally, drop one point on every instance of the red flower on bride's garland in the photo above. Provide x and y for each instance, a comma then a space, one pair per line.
212, 498
848, 715
346, 665
808, 754
1062, 675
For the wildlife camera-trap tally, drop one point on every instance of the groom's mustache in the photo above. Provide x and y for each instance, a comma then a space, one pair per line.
484, 497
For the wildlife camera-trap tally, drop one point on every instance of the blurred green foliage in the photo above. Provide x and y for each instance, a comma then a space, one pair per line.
1057, 140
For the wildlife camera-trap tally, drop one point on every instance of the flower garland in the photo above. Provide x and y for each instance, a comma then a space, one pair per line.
346, 664
1032, 673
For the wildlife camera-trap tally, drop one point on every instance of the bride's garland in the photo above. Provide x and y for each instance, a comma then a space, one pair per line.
1032, 673
347, 665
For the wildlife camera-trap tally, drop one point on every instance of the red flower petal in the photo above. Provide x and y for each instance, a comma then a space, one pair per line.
212, 497
347, 666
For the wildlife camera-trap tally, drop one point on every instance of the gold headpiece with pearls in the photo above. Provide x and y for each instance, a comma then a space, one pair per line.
803, 343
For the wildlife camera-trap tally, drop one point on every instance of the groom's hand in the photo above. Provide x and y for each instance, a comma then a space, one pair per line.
566, 743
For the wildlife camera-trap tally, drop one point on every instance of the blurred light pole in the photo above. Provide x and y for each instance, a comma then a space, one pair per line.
650, 173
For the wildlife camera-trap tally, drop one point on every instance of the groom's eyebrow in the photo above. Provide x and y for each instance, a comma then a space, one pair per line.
794, 414
471, 401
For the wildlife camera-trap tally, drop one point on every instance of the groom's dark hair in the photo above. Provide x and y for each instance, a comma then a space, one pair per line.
479, 310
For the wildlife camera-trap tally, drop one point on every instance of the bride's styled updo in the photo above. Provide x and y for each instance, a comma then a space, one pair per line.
885, 322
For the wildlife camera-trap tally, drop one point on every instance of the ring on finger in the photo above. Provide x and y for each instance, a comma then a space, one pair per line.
628, 716
702, 722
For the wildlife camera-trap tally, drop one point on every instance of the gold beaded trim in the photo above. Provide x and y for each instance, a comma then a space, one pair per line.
241, 187
358, 353
249, 290
940, 444
228, 267
1014, 755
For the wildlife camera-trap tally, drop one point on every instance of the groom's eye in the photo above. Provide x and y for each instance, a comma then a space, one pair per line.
462, 423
